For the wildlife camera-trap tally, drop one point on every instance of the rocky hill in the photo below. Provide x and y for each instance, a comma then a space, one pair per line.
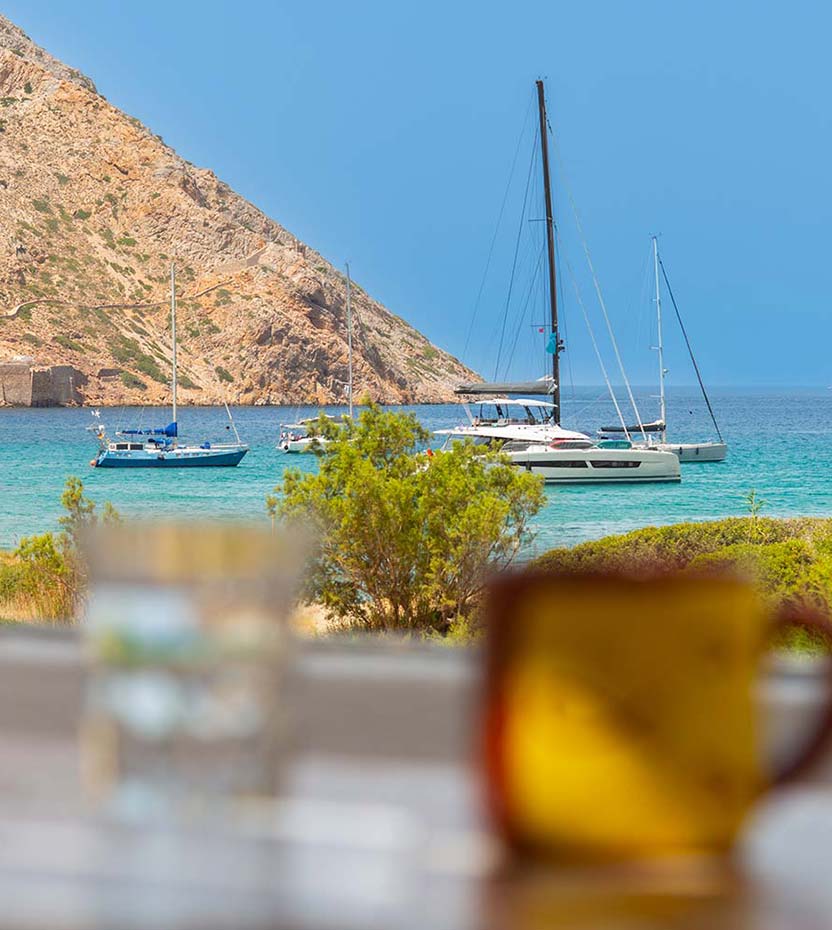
94, 208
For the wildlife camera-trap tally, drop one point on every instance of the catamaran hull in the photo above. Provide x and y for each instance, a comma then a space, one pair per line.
205, 459
598, 466
696, 451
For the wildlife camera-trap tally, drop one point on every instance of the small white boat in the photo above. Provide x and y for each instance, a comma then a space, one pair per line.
294, 437
708, 451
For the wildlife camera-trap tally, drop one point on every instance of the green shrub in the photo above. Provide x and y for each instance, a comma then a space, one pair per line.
42, 206
63, 180
68, 343
223, 374
789, 561
129, 380
46, 578
82, 214
27, 87
406, 540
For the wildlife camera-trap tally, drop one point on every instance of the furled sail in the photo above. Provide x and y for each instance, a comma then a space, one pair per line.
542, 387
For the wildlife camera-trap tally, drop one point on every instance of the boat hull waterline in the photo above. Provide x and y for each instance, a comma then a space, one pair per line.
173, 458
696, 451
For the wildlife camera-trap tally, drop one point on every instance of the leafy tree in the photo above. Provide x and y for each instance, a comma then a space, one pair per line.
47, 575
405, 538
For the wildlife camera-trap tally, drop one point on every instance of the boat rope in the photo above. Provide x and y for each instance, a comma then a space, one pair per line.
600, 296
514, 262
525, 308
690, 350
497, 229
601, 364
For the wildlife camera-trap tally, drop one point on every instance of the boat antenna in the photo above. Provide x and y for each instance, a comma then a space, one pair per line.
660, 346
555, 342
173, 336
690, 351
349, 333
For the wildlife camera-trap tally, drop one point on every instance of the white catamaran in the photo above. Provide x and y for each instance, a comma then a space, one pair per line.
529, 431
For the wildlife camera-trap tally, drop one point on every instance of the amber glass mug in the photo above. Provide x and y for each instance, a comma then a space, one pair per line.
620, 722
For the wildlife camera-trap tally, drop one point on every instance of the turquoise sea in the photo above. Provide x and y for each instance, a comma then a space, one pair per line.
779, 444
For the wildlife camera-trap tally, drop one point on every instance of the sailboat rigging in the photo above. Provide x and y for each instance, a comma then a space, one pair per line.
710, 451
295, 437
159, 447
529, 431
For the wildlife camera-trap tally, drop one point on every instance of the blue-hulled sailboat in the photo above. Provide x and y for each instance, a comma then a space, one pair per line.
159, 447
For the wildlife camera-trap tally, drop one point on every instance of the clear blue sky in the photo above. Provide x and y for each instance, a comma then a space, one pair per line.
384, 133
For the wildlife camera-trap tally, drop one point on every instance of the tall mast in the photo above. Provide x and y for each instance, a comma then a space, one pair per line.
550, 240
349, 333
173, 334
660, 346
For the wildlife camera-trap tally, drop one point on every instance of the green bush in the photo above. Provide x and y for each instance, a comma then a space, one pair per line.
223, 374
790, 561
46, 578
406, 541
68, 343
129, 380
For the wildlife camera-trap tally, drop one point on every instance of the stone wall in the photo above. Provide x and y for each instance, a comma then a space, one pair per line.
25, 385
16, 384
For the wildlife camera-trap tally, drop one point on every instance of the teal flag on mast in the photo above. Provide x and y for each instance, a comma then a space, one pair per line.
552, 344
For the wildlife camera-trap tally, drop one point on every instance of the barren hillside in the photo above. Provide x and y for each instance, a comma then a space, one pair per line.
93, 209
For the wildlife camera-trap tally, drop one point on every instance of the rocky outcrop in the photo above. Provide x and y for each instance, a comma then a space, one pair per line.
95, 208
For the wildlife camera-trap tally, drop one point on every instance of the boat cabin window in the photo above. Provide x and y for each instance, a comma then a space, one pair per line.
503, 414
136, 446
612, 463
122, 445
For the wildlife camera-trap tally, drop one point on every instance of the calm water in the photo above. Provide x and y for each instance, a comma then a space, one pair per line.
778, 443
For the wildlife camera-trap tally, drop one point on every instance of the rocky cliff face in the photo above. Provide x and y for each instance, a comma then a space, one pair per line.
93, 210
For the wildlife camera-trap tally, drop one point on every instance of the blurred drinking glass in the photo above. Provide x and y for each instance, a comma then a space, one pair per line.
186, 634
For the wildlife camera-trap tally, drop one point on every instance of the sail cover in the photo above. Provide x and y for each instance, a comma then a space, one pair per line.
655, 427
169, 430
542, 387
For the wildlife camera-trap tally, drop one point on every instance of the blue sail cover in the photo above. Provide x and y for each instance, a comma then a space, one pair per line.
169, 430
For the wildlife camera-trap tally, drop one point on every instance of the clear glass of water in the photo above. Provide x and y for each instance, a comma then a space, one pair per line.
185, 626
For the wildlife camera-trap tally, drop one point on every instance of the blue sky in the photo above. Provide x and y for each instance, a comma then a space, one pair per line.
384, 133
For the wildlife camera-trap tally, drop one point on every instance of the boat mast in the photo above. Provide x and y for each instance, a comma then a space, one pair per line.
660, 346
349, 333
173, 334
550, 240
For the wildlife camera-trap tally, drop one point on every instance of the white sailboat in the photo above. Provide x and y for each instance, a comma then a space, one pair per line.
528, 431
713, 450
294, 437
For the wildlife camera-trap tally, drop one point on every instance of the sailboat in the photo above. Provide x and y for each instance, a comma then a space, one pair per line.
295, 437
709, 451
528, 430
159, 447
